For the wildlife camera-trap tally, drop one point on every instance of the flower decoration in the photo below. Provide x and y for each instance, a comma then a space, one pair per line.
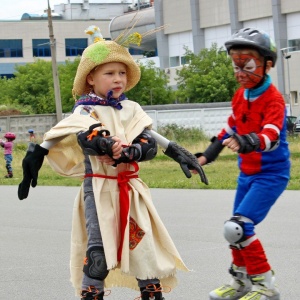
95, 33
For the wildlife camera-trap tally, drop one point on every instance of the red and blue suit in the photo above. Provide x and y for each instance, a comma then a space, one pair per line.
264, 173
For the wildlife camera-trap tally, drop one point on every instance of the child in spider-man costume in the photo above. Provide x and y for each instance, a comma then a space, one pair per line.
256, 130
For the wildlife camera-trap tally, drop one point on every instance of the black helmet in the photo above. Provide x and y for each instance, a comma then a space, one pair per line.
255, 39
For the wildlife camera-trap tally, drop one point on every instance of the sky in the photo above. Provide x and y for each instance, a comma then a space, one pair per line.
14, 9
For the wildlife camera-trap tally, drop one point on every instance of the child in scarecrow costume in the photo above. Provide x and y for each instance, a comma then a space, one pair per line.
118, 238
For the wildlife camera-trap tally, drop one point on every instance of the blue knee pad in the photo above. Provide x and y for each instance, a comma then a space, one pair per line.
95, 266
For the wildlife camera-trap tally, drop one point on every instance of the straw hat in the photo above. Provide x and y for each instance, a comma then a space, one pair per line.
100, 53
104, 51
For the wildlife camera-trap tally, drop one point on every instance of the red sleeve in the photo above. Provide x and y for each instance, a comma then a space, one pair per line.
274, 117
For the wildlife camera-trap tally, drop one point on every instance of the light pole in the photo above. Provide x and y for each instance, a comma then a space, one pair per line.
286, 55
54, 67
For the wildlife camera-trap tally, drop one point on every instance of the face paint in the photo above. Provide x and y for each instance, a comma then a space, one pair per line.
248, 67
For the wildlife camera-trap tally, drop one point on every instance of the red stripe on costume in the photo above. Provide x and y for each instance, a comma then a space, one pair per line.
271, 133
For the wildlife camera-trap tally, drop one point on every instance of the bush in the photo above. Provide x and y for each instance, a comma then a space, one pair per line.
22, 147
181, 134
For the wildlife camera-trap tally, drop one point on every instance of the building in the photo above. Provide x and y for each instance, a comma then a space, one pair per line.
203, 22
192, 23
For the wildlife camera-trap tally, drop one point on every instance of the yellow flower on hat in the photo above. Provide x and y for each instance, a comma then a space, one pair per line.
95, 33
133, 38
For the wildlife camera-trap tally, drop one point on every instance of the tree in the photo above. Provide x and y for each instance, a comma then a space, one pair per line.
67, 74
33, 86
152, 88
6, 91
208, 77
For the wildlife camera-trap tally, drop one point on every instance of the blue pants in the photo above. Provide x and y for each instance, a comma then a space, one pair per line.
256, 194
8, 159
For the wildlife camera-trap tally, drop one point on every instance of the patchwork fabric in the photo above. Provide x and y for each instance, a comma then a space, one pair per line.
135, 234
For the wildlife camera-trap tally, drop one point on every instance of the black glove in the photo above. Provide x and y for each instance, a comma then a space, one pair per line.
31, 165
187, 160
95, 142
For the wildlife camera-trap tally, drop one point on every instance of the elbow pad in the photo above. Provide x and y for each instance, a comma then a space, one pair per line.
143, 148
248, 142
213, 150
148, 146
95, 142
272, 145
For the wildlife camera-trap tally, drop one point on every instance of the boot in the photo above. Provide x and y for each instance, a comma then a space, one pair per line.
263, 287
9, 175
239, 285
152, 292
91, 294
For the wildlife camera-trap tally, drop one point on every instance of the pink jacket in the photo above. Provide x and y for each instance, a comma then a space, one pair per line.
8, 147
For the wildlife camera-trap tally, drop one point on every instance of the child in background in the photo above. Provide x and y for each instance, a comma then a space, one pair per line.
8, 149
31, 135
256, 130
116, 229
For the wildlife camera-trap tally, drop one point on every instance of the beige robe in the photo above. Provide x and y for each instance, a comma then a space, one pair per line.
148, 250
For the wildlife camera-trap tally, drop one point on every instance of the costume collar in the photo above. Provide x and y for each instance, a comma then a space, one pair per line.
93, 99
252, 94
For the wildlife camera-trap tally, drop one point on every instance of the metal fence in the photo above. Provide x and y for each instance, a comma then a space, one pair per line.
209, 119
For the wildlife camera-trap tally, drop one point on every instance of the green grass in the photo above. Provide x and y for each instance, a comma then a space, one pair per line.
163, 172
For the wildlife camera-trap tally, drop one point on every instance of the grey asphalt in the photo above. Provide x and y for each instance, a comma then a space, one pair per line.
35, 242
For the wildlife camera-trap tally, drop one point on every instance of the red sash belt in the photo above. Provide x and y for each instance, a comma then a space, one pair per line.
123, 179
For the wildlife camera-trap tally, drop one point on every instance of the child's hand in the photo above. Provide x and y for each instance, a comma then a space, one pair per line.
202, 161
117, 147
232, 144
116, 150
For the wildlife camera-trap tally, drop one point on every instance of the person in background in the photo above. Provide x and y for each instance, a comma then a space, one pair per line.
8, 146
256, 130
31, 135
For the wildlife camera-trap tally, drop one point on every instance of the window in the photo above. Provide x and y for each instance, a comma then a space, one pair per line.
11, 48
8, 76
295, 44
174, 61
183, 60
41, 47
75, 47
133, 51
294, 97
